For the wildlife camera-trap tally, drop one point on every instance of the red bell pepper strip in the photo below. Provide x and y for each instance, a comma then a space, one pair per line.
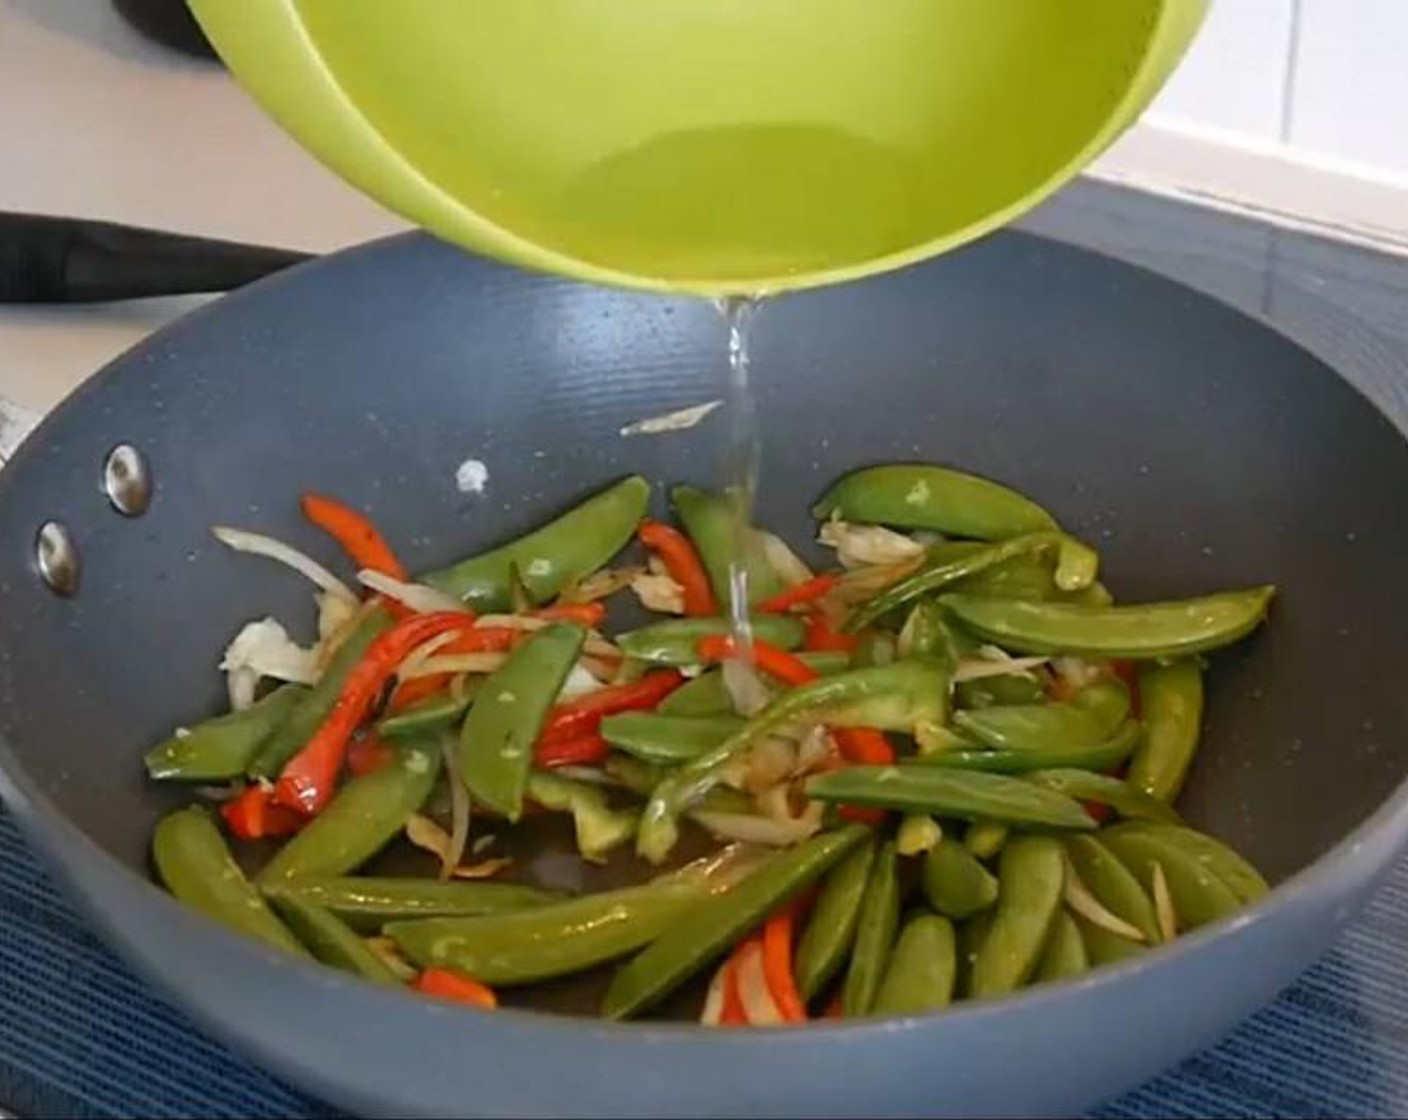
777, 966
253, 815
417, 689
584, 714
806, 592
771, 659
308, 778
820, 637
356, 534
590, 615
733, 1014
681, 560
367, 755
587, 749
446, 984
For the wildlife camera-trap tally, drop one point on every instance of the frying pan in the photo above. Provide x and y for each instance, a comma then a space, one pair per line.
1195, 447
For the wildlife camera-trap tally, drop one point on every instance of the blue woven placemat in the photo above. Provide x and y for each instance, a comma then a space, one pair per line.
80, 1036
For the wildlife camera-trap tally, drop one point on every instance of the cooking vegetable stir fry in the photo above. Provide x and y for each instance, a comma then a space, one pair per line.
942, 768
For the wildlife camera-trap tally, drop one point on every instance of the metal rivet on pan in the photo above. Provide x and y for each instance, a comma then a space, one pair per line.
127, 481
57, 558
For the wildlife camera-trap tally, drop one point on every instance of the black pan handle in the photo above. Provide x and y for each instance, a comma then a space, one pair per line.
69, 260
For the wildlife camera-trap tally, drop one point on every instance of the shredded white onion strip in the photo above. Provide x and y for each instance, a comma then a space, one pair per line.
595, 643
714, 1000
753, 993
418, 656
456, 663
1079, 899
790, 567
459, 810
1163, 904
751, 829
976, 668
418, 596
257, 544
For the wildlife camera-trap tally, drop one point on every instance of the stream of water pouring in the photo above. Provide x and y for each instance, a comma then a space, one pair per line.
740, 464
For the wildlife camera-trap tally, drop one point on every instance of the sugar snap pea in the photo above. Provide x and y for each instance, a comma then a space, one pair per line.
676, 640
875, 935
549, 558
329, 939
984, 839
498, 736
707, 929
667, 740
969, 795
1241, 877
1114, 886
1144, 631
599, 828
1064, 954
920, 496
922, 968
955, 883
1091, 716
950, 562
1096, 756
313, 707
193, 861
218, 749
1171, 706
709, 520
894, 697
926, 633
434, 713
1199, 896
831, 929
366, 903
1031, 877
360, 819
1118, 794
988, 692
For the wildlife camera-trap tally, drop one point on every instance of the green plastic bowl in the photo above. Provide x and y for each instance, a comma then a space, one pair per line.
710, 146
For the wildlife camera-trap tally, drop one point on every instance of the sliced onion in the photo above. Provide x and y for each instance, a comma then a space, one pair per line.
598, 585
860, 584
264, 647
390, 955
591, 775
714, 998
428, 836
217, 793
745, 687
976, 668
1163, 904
240, 685
1076, 671
753, 992
257, 544
749, 828
418, 596
418, 656
594, 644
456, 663
459, 809
1079, 899
657, 591
815, 750
334, 614
579, 682
791, 569
770, 760
859, 546
485, 869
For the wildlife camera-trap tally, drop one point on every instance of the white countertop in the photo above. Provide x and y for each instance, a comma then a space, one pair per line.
96, 122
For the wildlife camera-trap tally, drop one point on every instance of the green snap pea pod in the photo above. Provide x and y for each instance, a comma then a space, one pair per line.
922, 968
331, 940
709, 521
434, 713
1199, 896
926, 633
360, 819
1031, 877
831, 929
706, 695
1091, 716
599, 828
707, 929
896, 697
216, 750
195, 864
1102, 946
970, 939
498, 736
676, 641
367, 903
988, 692
314, 706
667, 740
634, 774
1118, 794
1064, 954
951, 562
875, 935
967, 794
922, 496
560, 938
984, 839
1171, 706
1145, 631
1244, 880
1114, 886
1097, 756
955, 883
549, 558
